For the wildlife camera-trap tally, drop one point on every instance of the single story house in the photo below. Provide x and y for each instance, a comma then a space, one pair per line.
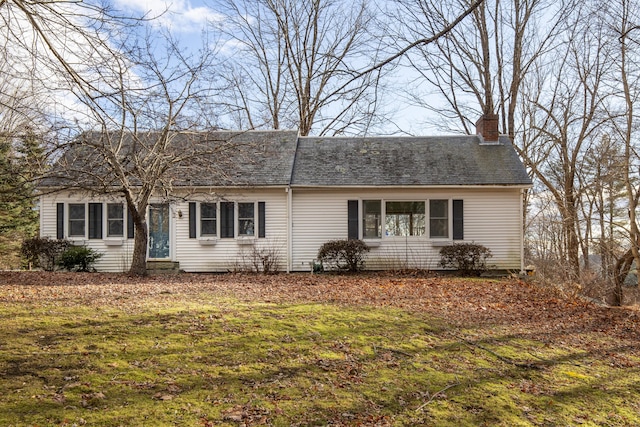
406, 197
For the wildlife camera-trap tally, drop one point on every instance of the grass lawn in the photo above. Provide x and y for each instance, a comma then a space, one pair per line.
302, 350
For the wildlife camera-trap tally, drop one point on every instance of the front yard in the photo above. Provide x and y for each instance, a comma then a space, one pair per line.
287, 350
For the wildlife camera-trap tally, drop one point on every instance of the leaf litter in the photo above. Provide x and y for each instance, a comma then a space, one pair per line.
542, 327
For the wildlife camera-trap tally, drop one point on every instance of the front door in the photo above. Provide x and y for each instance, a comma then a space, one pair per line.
159, 231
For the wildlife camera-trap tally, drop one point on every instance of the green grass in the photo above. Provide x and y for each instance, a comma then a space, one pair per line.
207, 360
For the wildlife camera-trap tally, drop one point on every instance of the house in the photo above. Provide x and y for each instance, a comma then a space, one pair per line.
406, 197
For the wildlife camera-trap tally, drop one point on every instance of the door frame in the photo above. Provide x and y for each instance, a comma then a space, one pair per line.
170, 226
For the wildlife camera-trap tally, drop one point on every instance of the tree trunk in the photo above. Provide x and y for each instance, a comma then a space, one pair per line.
139, 258
623, 265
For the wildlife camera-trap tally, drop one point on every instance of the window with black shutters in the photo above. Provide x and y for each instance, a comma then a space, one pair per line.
115, 220
371, 219
77, 220
439, 219
246, 219
208, 219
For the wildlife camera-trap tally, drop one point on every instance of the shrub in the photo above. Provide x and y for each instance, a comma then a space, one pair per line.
44, 252
265, 259
344, 254
469, 259
78, 258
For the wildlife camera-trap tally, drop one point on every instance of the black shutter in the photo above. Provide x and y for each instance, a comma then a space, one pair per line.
262, 232
192, 220
59, 220
353, 219
226, 220
95, 220
131, 226
458, 220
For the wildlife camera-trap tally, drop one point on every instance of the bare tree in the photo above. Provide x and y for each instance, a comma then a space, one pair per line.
145, 131
258, 87
137, 105
297, 62
481, 64
571, 116
623, 17
602, 180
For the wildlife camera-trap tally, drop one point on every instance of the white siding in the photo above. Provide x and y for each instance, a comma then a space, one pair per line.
491, 218
226, 254
114, 258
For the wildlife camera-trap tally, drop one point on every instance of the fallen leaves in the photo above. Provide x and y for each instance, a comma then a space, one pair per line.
535, 311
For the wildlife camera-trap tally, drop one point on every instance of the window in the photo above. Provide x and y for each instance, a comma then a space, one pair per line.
371, 219
115, 220
226, 216
439, 219
76, 220
208, 219
404, 218
246, 219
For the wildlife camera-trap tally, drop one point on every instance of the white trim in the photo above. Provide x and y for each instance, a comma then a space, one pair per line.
239, 236
171, 231
427, 220
246, 240
113, 241
289, 192
67, 222
207, 241
441, 243
522, 222
41, 217
427, 226
105, 221
208, 237
372, 242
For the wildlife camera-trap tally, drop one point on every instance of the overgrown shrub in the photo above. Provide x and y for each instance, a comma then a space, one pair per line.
469, 259
347, 255
264, 258
78, 258
44, 252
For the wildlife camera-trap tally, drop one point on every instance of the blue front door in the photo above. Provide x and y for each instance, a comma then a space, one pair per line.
159, 231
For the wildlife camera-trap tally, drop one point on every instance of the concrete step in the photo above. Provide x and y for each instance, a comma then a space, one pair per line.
163, 267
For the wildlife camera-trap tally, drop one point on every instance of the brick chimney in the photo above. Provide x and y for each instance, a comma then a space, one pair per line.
487, 127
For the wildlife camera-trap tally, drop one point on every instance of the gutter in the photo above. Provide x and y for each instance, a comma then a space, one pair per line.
414, 187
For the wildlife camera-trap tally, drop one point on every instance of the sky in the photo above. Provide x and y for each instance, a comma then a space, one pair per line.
186, 19
183, 17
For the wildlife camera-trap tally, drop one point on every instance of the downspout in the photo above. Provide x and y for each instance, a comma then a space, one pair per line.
40, 219
522, 230
289, 229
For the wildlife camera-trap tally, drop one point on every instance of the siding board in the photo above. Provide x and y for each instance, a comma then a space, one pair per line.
491, 218
226, 254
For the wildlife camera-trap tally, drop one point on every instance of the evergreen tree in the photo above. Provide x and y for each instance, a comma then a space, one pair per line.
21, 161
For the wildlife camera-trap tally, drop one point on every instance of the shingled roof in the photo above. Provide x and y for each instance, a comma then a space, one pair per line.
217, 158
407, 161
252, 159
280, 158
